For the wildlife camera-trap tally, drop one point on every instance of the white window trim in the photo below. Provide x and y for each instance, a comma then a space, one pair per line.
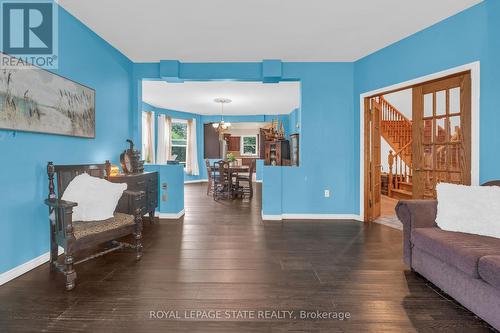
172, 145
256, 145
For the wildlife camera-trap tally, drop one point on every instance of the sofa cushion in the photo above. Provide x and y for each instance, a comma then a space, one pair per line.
469, 209
458, 249
489, 270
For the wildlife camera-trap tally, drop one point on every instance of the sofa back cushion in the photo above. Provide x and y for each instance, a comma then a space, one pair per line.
469, 209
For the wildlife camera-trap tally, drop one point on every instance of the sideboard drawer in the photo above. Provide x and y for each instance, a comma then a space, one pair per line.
146, 182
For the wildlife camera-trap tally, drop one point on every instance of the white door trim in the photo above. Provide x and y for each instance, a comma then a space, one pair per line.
475, 70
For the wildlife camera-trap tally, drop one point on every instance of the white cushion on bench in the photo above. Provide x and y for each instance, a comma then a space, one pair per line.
96, 198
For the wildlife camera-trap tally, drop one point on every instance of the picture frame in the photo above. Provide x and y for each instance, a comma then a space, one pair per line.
33, 99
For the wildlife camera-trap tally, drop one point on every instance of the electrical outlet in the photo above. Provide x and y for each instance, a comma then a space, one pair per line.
164, 197
327, 193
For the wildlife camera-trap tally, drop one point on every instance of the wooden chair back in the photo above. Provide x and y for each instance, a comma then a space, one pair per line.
222, 168
251, 170
209, 169
65, 173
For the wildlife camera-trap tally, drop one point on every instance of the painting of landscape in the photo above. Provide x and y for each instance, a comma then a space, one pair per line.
35, 100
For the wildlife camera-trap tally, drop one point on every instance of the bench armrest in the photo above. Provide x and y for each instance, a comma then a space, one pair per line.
415, 214
58, 203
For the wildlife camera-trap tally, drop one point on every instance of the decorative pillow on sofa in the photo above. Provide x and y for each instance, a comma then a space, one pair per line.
469, 209
96, 198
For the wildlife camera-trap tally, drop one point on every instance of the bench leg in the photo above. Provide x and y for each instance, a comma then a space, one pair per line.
69, 272
53, 250
138, 236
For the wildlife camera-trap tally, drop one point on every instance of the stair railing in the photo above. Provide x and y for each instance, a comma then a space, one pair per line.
403, 170
394, 122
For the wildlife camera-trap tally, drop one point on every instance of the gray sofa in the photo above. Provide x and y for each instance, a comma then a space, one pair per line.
465, 266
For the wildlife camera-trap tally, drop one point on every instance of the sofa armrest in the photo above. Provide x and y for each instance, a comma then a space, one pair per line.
415, 214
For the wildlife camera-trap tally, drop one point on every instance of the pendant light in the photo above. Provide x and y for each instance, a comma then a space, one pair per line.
221, 126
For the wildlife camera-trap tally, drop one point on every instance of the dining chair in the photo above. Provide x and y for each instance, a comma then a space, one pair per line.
210, 186
222, 180
247, 180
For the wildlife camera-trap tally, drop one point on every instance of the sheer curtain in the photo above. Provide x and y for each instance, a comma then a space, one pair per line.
192, 149
164, 129
148, 137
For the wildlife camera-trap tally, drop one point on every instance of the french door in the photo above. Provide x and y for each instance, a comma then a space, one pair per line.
441, 134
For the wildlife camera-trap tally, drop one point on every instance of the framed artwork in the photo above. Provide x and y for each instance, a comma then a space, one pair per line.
35, 100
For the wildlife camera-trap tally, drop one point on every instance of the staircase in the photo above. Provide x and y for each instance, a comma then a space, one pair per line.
396, 129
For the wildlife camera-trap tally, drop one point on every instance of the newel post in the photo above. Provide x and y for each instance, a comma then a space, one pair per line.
390, 161
50, 173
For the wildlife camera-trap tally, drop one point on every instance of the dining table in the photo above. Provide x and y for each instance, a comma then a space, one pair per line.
233, 172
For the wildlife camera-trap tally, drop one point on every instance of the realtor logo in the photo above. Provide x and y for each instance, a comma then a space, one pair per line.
29, 32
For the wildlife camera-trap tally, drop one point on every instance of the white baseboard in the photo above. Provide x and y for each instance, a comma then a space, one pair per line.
170, 215
195, 181
279, 217
258, 181
26, 267
272, 217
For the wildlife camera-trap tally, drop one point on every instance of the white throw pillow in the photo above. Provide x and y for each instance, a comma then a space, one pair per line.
469, 209
96, 198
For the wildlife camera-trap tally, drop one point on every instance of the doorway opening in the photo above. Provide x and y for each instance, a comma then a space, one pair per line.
220, 134
416, 136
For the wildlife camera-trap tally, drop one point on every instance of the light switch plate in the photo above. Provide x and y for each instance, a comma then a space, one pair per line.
327, 193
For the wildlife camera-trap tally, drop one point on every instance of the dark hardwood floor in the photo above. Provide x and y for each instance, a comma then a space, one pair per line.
221, 256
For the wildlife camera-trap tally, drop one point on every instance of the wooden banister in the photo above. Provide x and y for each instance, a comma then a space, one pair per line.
392, 109
403, 167
396, 129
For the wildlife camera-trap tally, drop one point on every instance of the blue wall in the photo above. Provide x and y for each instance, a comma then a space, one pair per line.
87, 59
327, 117
294, 121
472, 35
173, 177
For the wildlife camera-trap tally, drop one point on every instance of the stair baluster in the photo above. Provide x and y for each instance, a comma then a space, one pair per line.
396, 129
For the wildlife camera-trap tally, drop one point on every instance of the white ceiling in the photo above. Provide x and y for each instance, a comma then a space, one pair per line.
247, 126
225, 30
248, 98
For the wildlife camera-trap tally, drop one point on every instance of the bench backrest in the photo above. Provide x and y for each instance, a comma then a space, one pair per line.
65, 173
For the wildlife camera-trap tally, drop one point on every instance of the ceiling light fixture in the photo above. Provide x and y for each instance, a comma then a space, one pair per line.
221, 126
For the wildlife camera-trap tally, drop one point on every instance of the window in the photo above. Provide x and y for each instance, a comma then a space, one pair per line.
179, 140
248, 145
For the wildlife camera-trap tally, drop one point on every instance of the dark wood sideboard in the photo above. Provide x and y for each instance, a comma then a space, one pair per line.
146, 182
277, 153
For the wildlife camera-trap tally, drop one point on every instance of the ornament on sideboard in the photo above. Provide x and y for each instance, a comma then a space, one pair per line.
276, 131
131, 161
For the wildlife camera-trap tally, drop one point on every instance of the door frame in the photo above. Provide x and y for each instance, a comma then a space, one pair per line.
475, 73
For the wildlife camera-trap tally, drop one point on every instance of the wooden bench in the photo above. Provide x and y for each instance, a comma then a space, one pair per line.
74, 236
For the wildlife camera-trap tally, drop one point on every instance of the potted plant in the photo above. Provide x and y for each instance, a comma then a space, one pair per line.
231, 159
